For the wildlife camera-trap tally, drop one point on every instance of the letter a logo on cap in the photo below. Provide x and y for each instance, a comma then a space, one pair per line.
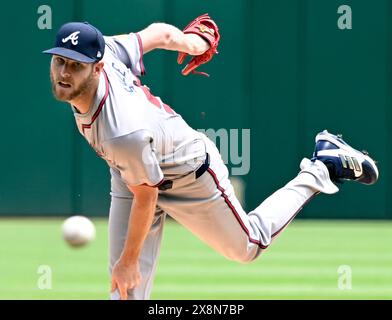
73, 37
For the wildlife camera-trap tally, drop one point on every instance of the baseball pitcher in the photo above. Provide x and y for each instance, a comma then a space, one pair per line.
159, 165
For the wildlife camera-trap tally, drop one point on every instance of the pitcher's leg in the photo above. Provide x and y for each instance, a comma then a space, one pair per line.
279, 209
333, 160
264, 223
120, 210
209, 208
118, 227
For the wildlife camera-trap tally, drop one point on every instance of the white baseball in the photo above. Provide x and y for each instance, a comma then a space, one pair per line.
78, 231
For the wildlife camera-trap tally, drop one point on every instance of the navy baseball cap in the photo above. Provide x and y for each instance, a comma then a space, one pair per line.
79, 41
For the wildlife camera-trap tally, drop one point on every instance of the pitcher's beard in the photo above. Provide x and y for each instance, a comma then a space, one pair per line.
75, 93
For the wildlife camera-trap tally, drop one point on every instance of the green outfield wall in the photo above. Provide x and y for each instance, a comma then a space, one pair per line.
285, 70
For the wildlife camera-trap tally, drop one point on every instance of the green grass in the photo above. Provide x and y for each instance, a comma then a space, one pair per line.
302, 263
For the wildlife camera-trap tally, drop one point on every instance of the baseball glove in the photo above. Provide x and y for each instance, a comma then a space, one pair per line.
206, 28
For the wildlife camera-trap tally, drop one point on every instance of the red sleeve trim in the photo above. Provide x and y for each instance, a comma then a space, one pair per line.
143, 70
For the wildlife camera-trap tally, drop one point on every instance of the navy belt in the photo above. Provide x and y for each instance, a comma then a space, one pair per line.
168, 184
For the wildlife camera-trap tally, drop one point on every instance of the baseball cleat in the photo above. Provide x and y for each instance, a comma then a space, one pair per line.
344, 162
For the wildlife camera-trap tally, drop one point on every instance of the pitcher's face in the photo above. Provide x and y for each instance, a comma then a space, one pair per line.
70, 78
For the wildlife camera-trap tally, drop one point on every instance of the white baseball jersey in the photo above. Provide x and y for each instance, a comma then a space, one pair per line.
134, 131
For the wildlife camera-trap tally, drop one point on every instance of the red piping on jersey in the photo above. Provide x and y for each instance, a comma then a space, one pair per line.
139, 40
237, 216
96, 113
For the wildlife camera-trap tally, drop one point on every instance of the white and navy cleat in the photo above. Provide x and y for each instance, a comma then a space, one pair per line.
344, 162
